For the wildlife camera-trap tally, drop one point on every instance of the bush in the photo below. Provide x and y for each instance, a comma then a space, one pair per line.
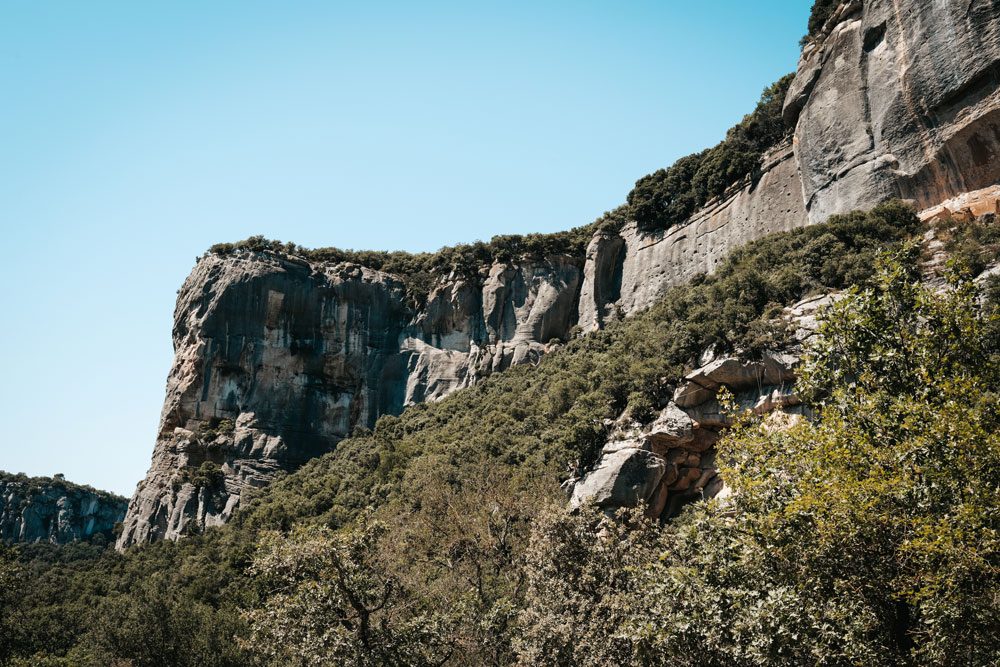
670, 196
820, 13
329, 599
208, 475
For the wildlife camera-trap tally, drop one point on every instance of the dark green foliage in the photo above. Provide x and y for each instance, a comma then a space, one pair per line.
460, 482
332, 600
821, 12
11, 583
150, 606
972, 244
669, 196
419, 272
29, 485
208, 475
155, 623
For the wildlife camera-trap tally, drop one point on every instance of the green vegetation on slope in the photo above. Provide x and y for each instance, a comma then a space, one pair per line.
459, 484
868, 536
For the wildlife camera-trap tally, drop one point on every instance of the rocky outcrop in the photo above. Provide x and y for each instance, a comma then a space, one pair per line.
43, 509
277, 358
898, 98
467, 331
670, 461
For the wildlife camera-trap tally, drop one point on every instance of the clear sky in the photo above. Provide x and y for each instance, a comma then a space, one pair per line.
136, 134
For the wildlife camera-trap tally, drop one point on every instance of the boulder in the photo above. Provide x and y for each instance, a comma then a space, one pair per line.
623, 477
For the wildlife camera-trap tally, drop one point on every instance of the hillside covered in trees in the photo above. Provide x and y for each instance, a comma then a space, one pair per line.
442, 535
859, 526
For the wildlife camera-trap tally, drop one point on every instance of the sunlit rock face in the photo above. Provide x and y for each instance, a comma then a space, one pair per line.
898, 99
277, 359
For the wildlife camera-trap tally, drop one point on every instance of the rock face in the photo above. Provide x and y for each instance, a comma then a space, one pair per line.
277, 359
898, 99
652, 263
669, 462
43, 509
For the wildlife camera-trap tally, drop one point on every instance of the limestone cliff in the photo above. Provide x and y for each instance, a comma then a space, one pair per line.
277, 358
43, 509
898, 98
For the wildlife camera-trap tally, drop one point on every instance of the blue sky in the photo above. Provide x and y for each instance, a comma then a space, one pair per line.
136, 134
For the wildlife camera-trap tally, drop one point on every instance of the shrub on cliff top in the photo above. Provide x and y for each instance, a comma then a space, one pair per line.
669, 196
820, 13
419, 272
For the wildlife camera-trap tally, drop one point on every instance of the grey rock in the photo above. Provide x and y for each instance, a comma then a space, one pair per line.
672, 428
701, 385
677, 447
43, 509
624, 477
900, 99
710, 414
297, 355
769, 202
602, 280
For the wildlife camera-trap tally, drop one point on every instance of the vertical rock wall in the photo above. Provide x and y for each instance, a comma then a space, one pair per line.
276, 359
899, 98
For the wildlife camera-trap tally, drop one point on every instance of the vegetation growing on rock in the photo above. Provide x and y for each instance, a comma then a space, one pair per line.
462, 486
421, 271
670, 196
820, 13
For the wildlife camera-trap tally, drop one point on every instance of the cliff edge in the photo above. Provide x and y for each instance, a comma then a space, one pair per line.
278, 358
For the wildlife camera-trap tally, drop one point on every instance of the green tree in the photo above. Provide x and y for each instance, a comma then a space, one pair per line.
11, 583
329, 600
584, 577
870, 534
155, 624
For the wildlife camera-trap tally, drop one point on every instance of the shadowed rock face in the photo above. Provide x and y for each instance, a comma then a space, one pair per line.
40, 509
276, 360
899, 98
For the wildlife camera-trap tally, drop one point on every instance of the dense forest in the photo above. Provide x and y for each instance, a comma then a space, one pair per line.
442, 537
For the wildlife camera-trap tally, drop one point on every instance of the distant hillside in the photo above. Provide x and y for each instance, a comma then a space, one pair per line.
50, 509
